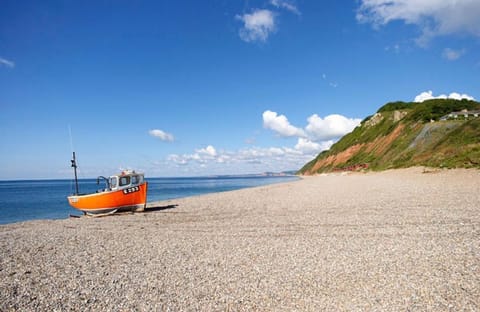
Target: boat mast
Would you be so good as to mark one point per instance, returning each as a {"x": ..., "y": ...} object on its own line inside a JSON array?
[{"x": 74, "y": 165}]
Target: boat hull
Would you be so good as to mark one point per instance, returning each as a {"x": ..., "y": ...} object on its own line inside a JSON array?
[{"x": 133, "y": 198}]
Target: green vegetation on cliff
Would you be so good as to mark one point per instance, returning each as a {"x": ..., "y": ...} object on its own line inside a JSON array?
[{"x": 404, "y": 134}]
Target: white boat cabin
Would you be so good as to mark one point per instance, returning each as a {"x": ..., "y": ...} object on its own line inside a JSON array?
[{"x": 125, "y": 179}]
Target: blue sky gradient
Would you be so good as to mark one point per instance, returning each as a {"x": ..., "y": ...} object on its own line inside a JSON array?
[{"x": 187, "y": 88}]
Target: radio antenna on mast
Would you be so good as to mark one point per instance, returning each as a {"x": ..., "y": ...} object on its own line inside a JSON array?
[
  {"x": 73, "y": 161},
  {"x": 74, "y": 165}
]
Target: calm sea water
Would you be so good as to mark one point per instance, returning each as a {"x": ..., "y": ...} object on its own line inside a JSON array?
[{"x": 47, "y": 199}]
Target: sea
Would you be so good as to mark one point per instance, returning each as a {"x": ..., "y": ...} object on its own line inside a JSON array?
[{"x": 23, "y": 200}]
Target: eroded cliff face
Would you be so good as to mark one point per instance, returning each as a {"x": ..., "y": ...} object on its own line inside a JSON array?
[
  {"x": 377, "y": 147},
  {"x": 335, "y": 160}
]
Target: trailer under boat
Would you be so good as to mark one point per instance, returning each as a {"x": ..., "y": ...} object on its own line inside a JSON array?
[{"x": 126, "y": 191}]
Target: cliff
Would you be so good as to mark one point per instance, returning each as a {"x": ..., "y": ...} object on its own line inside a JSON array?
[{"x": 434, "y": 133}]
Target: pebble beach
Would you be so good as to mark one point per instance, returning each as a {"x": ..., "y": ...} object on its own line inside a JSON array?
[{"x": 398, "y": 240}]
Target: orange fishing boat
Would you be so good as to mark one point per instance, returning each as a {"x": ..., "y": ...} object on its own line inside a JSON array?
[{"x": 124, "y": 191}]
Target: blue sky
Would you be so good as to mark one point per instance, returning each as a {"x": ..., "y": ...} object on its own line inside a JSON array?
[{"x": 187, "y": 88}]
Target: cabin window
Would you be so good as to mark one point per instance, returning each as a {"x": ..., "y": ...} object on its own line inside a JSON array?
[
  {"x": 124, "y": 181},
  {"x": 113, "y": 182},
  {"x": 135, "y": 179}
]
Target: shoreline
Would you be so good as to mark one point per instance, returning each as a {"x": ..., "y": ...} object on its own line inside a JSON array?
[
  {"x": 56, "y": 207},
  {"x": 392, "y": 240}
]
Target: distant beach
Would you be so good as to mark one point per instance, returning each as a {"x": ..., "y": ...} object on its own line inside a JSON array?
[{"x": 397, "y": 240}]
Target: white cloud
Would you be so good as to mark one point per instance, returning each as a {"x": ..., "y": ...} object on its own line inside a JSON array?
[
  {"x": 285, "y": 5},
  {"x": 318, "y": 135},
  {"x": 451, "y": 54},
  {"x": 201, "y": 156},
  {"x": 257, "y": 26},
  {"x": 181, "y": 160},
  {"x": 309, "y": 147},
  {"x": 331, "y": 127},
  {"x": 428, "y": 95},
  {"x": 6, "y": 63},
  {"x": 280, "y": 124},
  {"x": 209, "y": 150},
  {"x": 161, "y": 135},
  {"x": 458, "y": 96},
  {"x": 433, "y": 17}
]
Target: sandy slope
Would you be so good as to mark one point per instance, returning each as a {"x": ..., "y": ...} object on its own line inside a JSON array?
[{"x": 396, "y": 240}]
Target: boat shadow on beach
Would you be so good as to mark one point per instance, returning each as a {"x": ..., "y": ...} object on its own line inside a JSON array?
[
  {"x": 159, "y": 208},
  {"x": 148, "y": 209}
]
